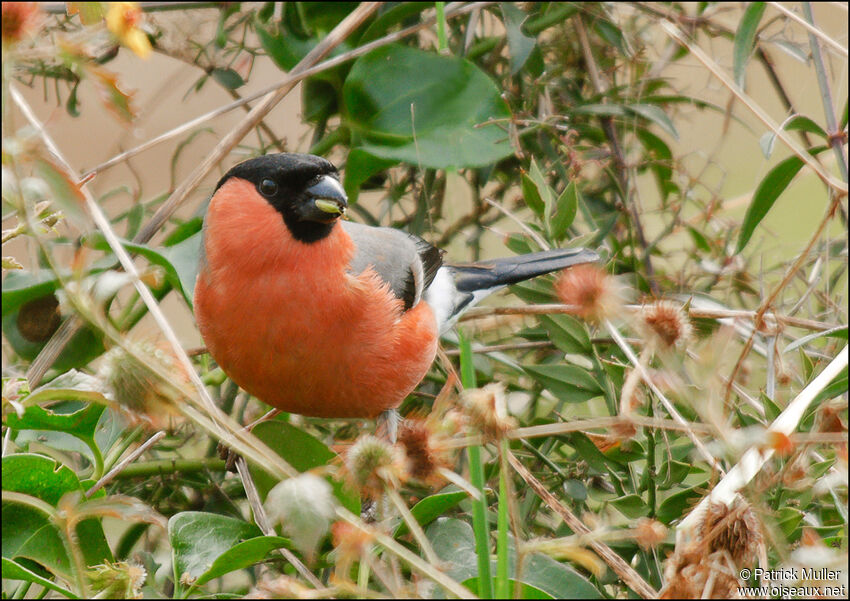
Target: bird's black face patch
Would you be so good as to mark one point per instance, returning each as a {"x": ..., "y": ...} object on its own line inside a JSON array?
[{"x": 303, "y": 188}]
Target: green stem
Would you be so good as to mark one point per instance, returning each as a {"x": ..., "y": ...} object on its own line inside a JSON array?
[
  {"x": 826, "y": 94},
  {"x": 476, "y": 476},
  {"x": 442, "y": 40},
  {"x": 503, "y": 589},
  {"x": 170, "y": 466}
]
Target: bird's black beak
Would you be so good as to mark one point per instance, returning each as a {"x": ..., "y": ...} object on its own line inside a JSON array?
[{"x": 328, "y": 196}]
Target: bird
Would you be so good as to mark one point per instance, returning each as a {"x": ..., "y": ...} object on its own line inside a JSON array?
[{"x": 326, "y": 317}]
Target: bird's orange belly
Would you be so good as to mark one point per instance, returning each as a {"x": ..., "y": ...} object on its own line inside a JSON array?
[{"x": 350, "y": 354}]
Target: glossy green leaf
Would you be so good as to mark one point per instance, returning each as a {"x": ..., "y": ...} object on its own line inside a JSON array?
[
  {"x": 303, "y": 452},
  {"x": 677, "y": 505},
  {"x": 567, "y": 382},
  {"x": 29, "y": 533},
  {"x": 359, "y": 167},
  {"x": 430, "y": 508},
  {"x": 20, "y": 287},
  {"x": 745, "y": 39},
  {"x": 15, "y": 571},
  {"x": 631, "y": 506},
  {"x": 243, "y": 555},
  {"x": 70, "y": 386},
  {"x": 198, "y": 539},
  {"x": 425, "y": 109}
]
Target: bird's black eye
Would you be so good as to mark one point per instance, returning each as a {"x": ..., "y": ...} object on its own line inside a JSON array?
[{"x": 268, "y": 187}]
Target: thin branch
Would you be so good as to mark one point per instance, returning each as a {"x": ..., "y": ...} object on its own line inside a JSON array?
[
  {"x": 629, "y": 576},
  {"x": 111, "y": 474},
  {"x": 719, "y": 73},
  {"x": 293, "y": 77},
  {"x": 810, "y": 28}
]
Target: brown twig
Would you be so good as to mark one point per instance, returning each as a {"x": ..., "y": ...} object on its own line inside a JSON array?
[
  {"x": 768, "y": 302},
  {"x": 629, "y": 576},
  {"x": 120, "y": 466}
]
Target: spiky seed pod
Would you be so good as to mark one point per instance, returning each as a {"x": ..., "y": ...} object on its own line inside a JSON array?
[
  {"x": 592, "y": 290},
  {"x": 424, "y": 455},
  {"x": 665, "y": 325},
  {"x": 119, "y": 580},
  {"x": 734, "y": 530},
  {"x": 372, "y": 463},
  {"x": 487, "y": 410},
  {"x": 140, "y": 391},
  {"x": 649, "y": 533}
]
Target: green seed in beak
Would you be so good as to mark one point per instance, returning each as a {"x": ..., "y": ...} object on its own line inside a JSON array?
[{"x": 329, "y": 206}]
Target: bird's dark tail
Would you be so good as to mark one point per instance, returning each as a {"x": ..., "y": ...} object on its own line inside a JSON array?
[{"x": 470, "y": 277}]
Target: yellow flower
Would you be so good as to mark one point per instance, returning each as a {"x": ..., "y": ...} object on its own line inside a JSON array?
[{"x": 122, "y": 20}]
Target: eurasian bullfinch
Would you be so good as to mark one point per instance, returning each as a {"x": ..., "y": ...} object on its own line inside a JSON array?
[{"x": 324, "y": 317}]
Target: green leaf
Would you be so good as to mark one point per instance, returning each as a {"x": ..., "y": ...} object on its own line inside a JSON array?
[
  {"x": 303, "y": 452},
  {"x": 567, "y": 206},
  {"x": 556, "y": 579},
  {"x": 359, "y": 167},
  {"x": 568, "y": 333},
  {"x": 454, "y": 542},
  {"x": 425, "y": 109},
  {"x": 243, "y": 555},
  {"x": 519, "y": 44},
  {"x": 527, "y": 591},
  {"x": 198, "y": 539},
  {"x": 70, "y": 386},
  {"x": 676, "y": 505},
  {"x": 631, "y": 506},
  {"x": 15, "y": 571},
  {"x": 430, "y": 508},
  {"x": 20, "y": 287},
  {"x": 282, "y": 47},
  {"x": 29, "y": 533},
  {"x": 64, "y": 193},
  {"x": 567, "y": 382},
  {"x": 655, "y": 114},
  {"x": 39, "y": 477},
  {"x": 771, "y": 186},
  {"x": 796, "y": 122},
  {"x": 180, "y": 260},
  {"x": 531, "y": 194},
  {"x": 788, "y": 519},
  {"x": 745, "y": 39},
  {"x": 228, "y": 78}
]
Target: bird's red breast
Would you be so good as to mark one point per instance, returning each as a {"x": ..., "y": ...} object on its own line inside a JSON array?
[{"x": 288, "y": 323}]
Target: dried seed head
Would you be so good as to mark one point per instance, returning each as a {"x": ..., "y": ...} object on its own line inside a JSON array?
[
  {"x": 424, "y": 453},
  {"x": 350, "y": 545},
  {"x": 665, "y": 325},
  {"x": 19, "y": 20},
  {"x": 304, "y": 506},
  {"x": 649, "y": 533},
  {"x": 372, "y": 463},
  {"x": 732, "y": 529},
  {"x": 487, "y": 410},
  {"x": 119, "y": 580},
  {"x": 282, "y": 587},
  {"x": 592, "y": 290},
  {"x": 690, "y": 573},
  {"x": 138, "y": 390}
]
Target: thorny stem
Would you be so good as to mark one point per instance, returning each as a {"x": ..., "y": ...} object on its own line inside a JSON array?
[
  {"x": 758, "y": 319},
  {"x": 616, "y": 150},
  {"x": 826, "y": 95}
]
